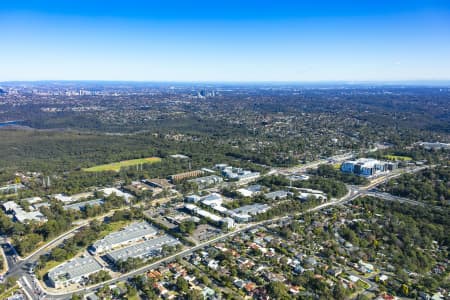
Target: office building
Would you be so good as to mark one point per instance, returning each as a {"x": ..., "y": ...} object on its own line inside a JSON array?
[
  {"x": 74, "y": 271},
  {"x": 203, "y": 182},
  {"x": 130, "y": 234},
  {"x": 110, "y": 191},
  {"x": 22, "y": 216},
  {"x": 277, "y": 195},
  {"x": 250, "y": 190},
  {"x": 186, "y": 175},
  {"x": 144, "y": 250},
  {"x": 367, "y": 167},
  {"x": 245, "y": 213},
  {"x": 82, "y": 205},
  {"x": 194, "y": 209}
]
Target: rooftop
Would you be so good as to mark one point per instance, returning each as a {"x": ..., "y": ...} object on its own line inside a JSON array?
[
  {"x": 119, "y": 193},
  {"x": 202, "y": 212},
  {"x": 75, "y": 268},
  {"x": 252, "y": 209},
  {"x": 276, "y": 194},
  {"x": 21, "y": 215},
  {"x": 144, "y": 249},
  {"x": 82, "y": 205},
  {"x": 129, "y": 233},
  {"x": 157, "y": 182}
]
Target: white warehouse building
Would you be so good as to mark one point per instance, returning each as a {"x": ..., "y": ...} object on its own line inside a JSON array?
[
  {"x": 73, "y": 271},
  {"x": 130, "y": 234},
  {"x": 144, "y": 250}
]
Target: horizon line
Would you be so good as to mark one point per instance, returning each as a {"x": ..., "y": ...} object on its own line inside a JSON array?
[{"x": 236, "y": 81}]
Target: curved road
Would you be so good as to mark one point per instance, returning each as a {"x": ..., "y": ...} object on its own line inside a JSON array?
[{"x": 19, "y": 269}]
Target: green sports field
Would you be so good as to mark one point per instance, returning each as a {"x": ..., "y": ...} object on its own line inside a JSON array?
[
  {"x": 121, "y": 164},
  {"x": 398, "y": 157}
]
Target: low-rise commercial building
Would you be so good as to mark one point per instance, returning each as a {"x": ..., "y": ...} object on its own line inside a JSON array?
[
  {"x": 203, "y": 182},
  {"x": 179, "y": 156},
  {"x": 212, "y": 199},
  {"x": 296, "y": 177},
  {"x": 10, "y": 188},
  {"x": 77, "y": 197},
  {"x": 38, "y": 206},
  {"x": 193, "y": 198},
  {"x": 110, "y": 191},
  {"x": 137, "y": 188},
  {"x": 250, "y": 190},
  {"x": 22, "y": 216},
  {"x": 194, "y": 209},
  {"x": 158, "y": 183},
  {"x": 63, "y": 198},
  {"x": 277, "y": 195},
  {"x": 305, "y": 196},
  {"x": 252, "y": 209},
  {"x": 435, "y": 146},
  {"x": 10, "y": 206},
  {"x": 237, "y": 173},
  {"x": 73, "y": 271},
  {"x": 248, "y": 176},
  {"x": 33, "y": 200},
  {"x": 144, "y": 250},
  {"x": 219, "y": 209},
  {"x": 186, "y": 175},
  {"x": 242, "y": 218},
  {"x": 305, "y": 193},
  {"x": 82, "y": 205},
  {"x": 229, "y": 222},
  {"x": 28, "y": 216},
  {"x": 209, "y": 200},
  {"x": 245, "y": 213},
  {"x": 130, "y": 234}
]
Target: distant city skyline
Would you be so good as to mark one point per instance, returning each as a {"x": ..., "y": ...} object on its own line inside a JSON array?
[{"x": 219, "y": 41}]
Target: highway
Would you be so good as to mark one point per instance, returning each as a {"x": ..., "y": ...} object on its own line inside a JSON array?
[
  {"x": 32, "y": 287},
  {"x": 389, "y": 197}
]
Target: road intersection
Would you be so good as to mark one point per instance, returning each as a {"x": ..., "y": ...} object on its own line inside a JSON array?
[{"x": 33, "y": 289}]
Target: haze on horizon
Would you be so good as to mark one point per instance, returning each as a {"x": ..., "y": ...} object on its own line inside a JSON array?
[{"x": 225, "y": 40}]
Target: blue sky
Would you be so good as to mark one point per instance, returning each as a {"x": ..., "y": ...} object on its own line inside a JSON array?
[{"x": 225, "y": 40}]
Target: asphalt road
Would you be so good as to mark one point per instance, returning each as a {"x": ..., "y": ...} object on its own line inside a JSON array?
[
  {"x": 19, "y": 268},
  {"x": 351, "y": 195}
]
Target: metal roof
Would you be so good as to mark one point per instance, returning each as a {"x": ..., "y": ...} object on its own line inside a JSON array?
[
  {"x": 130, "y": 233},
  {"x": 144, "y": 249},
  {"x": 252, "y": 209},
  {"x": 276, "y": 194},
  {"x": 78, "y": 267},
  {"x": 82, "y": 205}
]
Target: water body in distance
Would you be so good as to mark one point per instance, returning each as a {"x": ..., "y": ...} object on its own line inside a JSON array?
[{"x": 9, "y": 123}]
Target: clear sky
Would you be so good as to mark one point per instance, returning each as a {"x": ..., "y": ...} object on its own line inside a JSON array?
[{"x": 229, "y": 40}]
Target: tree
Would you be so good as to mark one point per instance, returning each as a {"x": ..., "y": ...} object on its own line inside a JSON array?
[
  {"x": 27, "y": 243},
  {"x": 194, "y": 295},
  {"x": 76, "y": 297},
  {"x": 278, "y": 290},
  {"x": 187, "y": 227},
  {"x": 131, "y": 291},
  {"x": 58, "y": 254},
  {"x": 182, "y": 284},
  {"x": 339, "y": 292}
]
